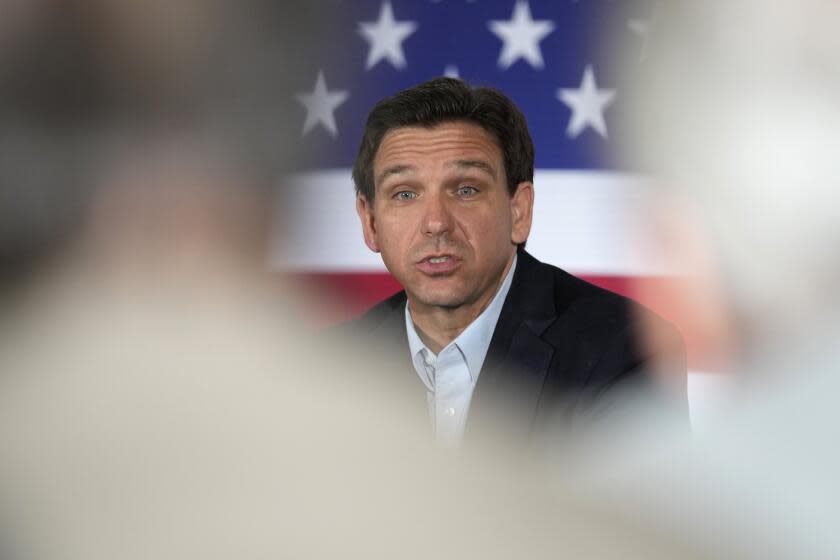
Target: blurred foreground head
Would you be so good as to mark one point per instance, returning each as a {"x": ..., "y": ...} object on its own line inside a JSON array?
[
  {"x": 737, "y": 117},
  {"x": 160, "y": 122}
]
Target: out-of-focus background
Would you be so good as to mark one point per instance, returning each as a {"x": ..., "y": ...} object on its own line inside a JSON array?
[{"x": 569, "y": 65}]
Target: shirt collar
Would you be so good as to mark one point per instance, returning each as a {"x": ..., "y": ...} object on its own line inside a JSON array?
[{"x": 473, "y": 342}]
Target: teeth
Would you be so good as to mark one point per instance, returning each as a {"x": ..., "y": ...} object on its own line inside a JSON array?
[{"x": 437, "y": 260}]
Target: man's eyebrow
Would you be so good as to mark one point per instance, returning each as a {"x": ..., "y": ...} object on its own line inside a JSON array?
[
  {"x": 475, "y": 164},
  {"x": 393, "y": 170}
]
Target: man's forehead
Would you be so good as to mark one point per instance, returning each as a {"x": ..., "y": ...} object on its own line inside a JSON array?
[{"x": 453, "y": 141}]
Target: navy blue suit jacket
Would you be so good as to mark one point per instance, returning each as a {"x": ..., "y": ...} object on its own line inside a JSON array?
[{"x": 565, "y": 354}]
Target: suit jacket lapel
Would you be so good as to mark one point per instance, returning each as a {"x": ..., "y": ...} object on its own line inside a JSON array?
[{"x": 509, "y": 386}]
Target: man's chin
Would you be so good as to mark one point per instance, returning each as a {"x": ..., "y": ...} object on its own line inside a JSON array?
[{"x": 446, "y": 300}]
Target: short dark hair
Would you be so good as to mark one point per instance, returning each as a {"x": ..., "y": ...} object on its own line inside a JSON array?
[{"x": 446, "y": 100}]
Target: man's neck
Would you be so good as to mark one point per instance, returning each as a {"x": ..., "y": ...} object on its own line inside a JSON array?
[{"x": 438, "y": 326}]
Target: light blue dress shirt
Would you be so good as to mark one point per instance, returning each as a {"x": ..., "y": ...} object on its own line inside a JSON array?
[{"x": 451, "y": 375}]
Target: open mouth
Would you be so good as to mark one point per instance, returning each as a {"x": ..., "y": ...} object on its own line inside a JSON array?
[{"x": 440, "y": 264}]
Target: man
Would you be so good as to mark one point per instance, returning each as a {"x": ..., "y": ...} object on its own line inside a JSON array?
[{"x": 444, "y": 192}]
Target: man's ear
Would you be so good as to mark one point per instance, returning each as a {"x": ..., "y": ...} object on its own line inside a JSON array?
[
  {"x": 364, "y": 208},
  {"x": 521, "y": 212}
]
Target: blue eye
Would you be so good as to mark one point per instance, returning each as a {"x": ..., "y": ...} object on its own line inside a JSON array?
[
  {"x": 467, "y": 191},
  {"x": 405, "y": 195}
]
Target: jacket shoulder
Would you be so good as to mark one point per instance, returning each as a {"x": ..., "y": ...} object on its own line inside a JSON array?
[
  {"x": 571, "y": 294},
  {"x": 372, "y": 319},
  {"x": 583, "y": 307},
  {"x": 610, "y": 350}
]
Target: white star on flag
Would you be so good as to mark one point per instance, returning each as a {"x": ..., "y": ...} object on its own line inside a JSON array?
[
  {"x": 385, "y": 37},
  {"x": 522, "y": 36},
  {"x": 320, "y": 105},
  {"x": 587, "y": 104}
]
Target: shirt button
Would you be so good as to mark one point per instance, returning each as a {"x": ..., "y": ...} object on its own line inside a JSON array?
[{"x": 450, "y": 411}]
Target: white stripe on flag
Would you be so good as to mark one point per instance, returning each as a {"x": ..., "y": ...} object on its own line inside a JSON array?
[{"x": 587, "y": 222}]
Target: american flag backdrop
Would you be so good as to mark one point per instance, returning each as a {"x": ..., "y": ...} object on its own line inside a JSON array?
[{"x": 559, "y": 60}]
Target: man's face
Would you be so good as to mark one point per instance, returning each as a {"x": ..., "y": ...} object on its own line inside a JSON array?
[{"x": 442, "y": 216}]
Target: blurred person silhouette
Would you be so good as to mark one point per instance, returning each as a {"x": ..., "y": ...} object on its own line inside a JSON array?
[
  {"x": 736, "y": 116},
  {"x": 156, "y": 399}
]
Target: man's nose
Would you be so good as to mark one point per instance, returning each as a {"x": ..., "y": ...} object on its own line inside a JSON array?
[{"x": 438, "y": 216}]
